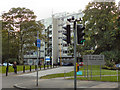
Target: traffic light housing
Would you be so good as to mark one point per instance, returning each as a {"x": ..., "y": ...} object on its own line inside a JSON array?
[
  {"x": 80, "y": 34},
  {"x": 36, "y": 42},
  {"x": 67, "y": 34}
]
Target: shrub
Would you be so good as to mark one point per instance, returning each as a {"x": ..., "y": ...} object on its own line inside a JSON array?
[
  {"x": 109, "y": 63},
  {"x": 110, "y": 68}
]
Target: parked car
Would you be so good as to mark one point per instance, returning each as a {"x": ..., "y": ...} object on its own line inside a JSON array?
[
  {"x": 5, "y": 64},
  {"x": 68, "y": 64},
  {"x": 0, "y": 64},
  {"x": 10, "y": 64},
  {"x": 118, "y": 65}
]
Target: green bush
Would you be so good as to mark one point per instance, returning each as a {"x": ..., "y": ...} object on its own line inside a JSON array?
[
  {"x": 110, "y": 68},
  {"x": 109, "y": 63}
]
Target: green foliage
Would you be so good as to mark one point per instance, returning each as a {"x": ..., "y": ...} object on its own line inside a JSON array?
[
  {"x": 9, "y": 48},
  {"x": 22, "y": 21},
  {"x": 110, "y": 66},
  {"x": 15, "y": 16},
  {"x": 111, "y": 56},
  {"x": 11, "y": 60},
  {"x": 100, "y": 24},
  {"x": 101, "y": 30}
]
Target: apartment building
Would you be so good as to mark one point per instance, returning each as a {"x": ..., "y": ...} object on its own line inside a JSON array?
[{"x": 48, "y": 39}]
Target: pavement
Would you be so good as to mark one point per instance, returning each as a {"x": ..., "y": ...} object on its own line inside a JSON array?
[{"x": 63, "y": 84}]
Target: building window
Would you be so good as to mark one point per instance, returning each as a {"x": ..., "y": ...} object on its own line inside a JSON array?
[
  {"x": 64, "y": 51},
  {"x": 65, "y": 45},
  {"x": 60, "y": 44},
  {"x": 64, "y": 31},
  {"x": 59, "y": 31},
  {"x": 59, "y": 37}
]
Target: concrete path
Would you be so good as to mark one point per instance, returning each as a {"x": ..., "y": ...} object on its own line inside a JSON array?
[{"x": 61, "y": 83}]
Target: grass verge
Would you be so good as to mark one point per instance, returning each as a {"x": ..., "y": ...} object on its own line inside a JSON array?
[
  {"x": 103, "y": 78},
  {"x": 19, "y": 68},
  {"x": 111, "y": 75}
]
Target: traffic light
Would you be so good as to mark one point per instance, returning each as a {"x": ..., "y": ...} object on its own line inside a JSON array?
[
  {"x": 67, "y": 34},
  {"x": 36, "y": 42},
  {"x": 80, "y": 34}
]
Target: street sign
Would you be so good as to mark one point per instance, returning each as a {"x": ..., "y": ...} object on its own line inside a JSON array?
[
  {"x": 47, "y": 58},
  {"x": 93, "y": 59},
  {"x": 38, "y": 42},
  {"x": 79, "y": 73}
]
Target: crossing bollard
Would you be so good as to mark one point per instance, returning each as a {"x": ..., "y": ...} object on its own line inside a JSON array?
[
  {"x": 44, "y": 66},
  {"x": 35, "y": 67},
  {"x": 30, "y": 68},
  {"x": 23, "y": 68}
]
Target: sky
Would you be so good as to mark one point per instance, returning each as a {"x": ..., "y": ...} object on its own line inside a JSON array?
[{"x": 45, "y": 8}]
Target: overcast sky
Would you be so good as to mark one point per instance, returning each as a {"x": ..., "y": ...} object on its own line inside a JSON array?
[{"x": 45, "y": 8}]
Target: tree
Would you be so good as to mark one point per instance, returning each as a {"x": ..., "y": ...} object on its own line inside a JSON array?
[
  {"x": 100, "y": 19},
  {"x": 28, "y": 36},
  {"x": 9, "y": 48},
  {"x": 15, "y": 16},
  {"x": 22, "y": 21},
  {"x": 4, "y": 45}
]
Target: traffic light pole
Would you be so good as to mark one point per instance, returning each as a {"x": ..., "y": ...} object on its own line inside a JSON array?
[{"x": 75, "y": 85}]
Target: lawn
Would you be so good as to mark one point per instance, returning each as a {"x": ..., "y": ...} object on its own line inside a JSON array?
[
  {"x": 103, "y": 78},
  {"x": 112, "y": 74},
  {"x": 19, "y": 68}
]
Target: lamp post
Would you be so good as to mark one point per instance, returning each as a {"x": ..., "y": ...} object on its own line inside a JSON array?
[{"x": 8, "y": 53}]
